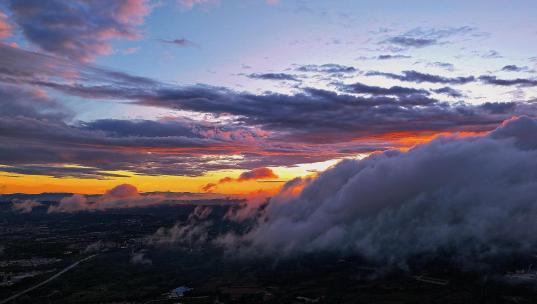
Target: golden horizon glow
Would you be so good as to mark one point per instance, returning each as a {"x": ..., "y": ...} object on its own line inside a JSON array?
[{"x": 34, "y": 184}]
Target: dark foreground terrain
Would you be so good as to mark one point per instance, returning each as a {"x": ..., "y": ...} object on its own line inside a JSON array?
[{"x": 105, "y": 258}]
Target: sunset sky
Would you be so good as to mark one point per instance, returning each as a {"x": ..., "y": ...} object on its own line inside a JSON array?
[{"x": 237, "y": 96}]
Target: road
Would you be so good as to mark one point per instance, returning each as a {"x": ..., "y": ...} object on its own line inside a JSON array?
[{"x": 66, "y": 269}]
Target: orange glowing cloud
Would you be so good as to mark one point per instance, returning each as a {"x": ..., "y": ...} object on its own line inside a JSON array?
[
  {"x": 405, "y": 140},
  {"x": 255, "y": 174},
  {"x": 5, "y": 28}
]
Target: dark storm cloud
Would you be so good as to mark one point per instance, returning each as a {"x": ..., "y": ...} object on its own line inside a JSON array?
[
  {"x": 523, "y": 82},
  {"x": 360, "y": 88},
  {"x": 268, "y": 129},
  {"x": 96, "y": 152},
  {"x": 147, "y": 128},
  {"x": 35, "y": 139},
  {"x": 311, "y": 126},
  {"x": 449, "y": 91},
  {"x": 299, "y": 116},
  {"x": 49, "y": 145},
  {"x": 444, "y": 197},
  {"x": 309, "y": 111},
  {"x": 315, "y": 115},
  {"x": 273, "y": 76},
  {"x": 499, "y": 107},
  {"x": 44, "y": 130},
  {"x": 78, "y": 29},
  {"x": 418, "y": 77}
]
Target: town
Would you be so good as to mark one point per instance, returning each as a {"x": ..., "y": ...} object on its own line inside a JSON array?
[{"x": 108, "y": 257}]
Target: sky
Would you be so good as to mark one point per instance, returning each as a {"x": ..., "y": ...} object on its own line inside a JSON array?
[{"x": 239, "y": 96}]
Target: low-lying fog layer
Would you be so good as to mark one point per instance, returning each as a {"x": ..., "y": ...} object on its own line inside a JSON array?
[{"x": 473, "y": 196}]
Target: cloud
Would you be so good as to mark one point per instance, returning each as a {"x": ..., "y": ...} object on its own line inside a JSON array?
[
  {"x": 5, "y": 27},
  {"x": 24, "y": 206},
  {"x": 59, "y": 171},
  {"x": 139, "y": 258},
  {"x": 180, "y": 42},
  {"x": 124, "y": 191},
  {"x": 127, "y": 196},
  {"x": 360, "y": 88},
  {"x": 30, "y": 103},
  {"x": 192, "y": 233},
  {"x": 94, "y": 247},
  {"x": 209, "y": 187},
  {"x": 21, "y": 66},
  {"x": 500, "y": 107},
  {"x": 131, "y": 50},
  {"x": 191, "y": 3},
  {"x": 493, "y": 80},
  {"x": 330, "y": 68},
  {"x": 121, "y": 196},
  {"x": 444, "y": 196},
  {"x": 254, "y": 174},
  {"x": 418, "y": 77},
  {"x": 411, "y": 42},
  {"x": 273, "y": 76},
  {"x": 439, "y": 33},
  {"x": 78, "y": 29},
  {"x": 443, "y": 65},
  {"x": 390, "y": 56},
  {"x": 74, "y": 203},
  {"x": 265, "y": 130},
  {"x": 492, "y": 54},
  {"x": 311, "y": 126},
  {"x": 315, "y": 115},
  {"x": 423, "y": 37},
  {"x": 514, "y": 68},
  {"x": 449, "y": 91},
  {"x": 42, "y": 143}
]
